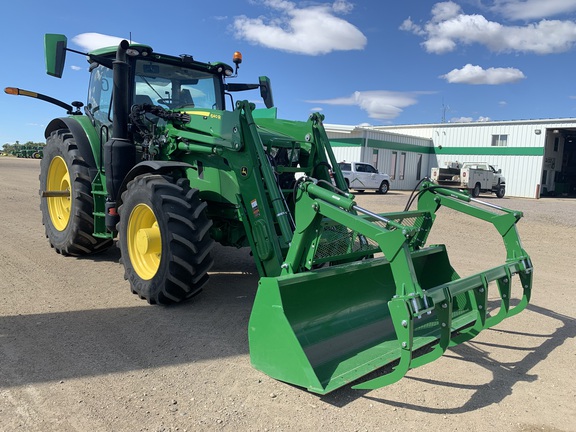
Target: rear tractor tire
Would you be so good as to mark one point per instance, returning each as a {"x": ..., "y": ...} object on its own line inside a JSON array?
[
  {"x": 164, "y": 239},
  {"x": 68, "y": 220}
]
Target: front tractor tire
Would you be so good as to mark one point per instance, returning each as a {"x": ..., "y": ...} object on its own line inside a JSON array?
[
  {"x": 68, "y": 219},
  {"x": 164, "y": 239}
]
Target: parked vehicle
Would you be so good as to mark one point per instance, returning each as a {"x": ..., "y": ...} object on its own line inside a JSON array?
[
  {"x": 476, "y": 177},
  {"x": 361, "y": 176}
]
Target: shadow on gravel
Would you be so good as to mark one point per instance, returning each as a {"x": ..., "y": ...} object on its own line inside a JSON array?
[
  {"x": 60, "y": 346},
  {"x": 112, "y": 254},
  {"x": 226, "y": 259},
  {"x": 504, "y": 375}
]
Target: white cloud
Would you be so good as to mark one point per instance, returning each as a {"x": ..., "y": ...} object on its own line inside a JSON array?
[
  {"x": 342, "y": 6},
  {"x": 408, "y": 25},
  {"x": 316, "y": 109},
  {"x": 471, "y": 74},
  {"x": 461, "y": 120},
  {"x": 92, "y": 41},
  {"x": 75, "y": 68},
  {"x": 533, "y": 9},
  {"x": 469, "y": 119},
  {"x": 449, "y": 27},
  {"x": 444, "y": 11},
  {"x": 311, "y": 30},
  {"x": 379, "y": 104}
]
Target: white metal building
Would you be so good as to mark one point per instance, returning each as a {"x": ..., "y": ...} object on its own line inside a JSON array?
[
  {"x": 407, "y": 159},
  {"x": 537, "y": 157}
]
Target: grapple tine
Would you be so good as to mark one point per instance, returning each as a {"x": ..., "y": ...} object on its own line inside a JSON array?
[
  {"x": 444, "y": 314},
  {"x": 479, "y": 300},
  {"x": 505, "y": 290}
]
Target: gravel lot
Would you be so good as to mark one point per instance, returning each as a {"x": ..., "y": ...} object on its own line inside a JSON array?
[{"x": 79, "y": 352}]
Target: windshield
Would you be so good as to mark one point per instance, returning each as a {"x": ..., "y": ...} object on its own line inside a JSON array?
[{"x": 175, "y": 86}]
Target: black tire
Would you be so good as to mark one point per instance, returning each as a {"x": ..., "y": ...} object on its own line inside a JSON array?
[
  {"x": 500, "y": 192},
  {"x": 384, "y": 187},
  {"x": 68, "y": 221},
  {"x": 476, "y": 191},
  {"x": 172, "y": 263}
]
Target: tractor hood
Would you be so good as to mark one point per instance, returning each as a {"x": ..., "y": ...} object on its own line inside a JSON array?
[{"x": 222, "y": 128}]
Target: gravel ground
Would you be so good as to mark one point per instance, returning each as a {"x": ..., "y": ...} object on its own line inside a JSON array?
[{"x": 79, "y": 352}]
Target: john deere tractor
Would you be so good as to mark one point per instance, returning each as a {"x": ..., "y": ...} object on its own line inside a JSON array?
[{"x": 165, "y": 159}]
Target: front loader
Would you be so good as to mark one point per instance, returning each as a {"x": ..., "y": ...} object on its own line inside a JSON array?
[{"x": 163, "y": 158}]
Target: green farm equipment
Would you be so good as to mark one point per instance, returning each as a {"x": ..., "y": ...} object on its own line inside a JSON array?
[
  {"x": 29, "y": 153},
  {"x": 157, "y": 160}
]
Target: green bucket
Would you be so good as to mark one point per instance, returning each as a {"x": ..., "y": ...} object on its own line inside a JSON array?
[{"x": 326, "y": 328}]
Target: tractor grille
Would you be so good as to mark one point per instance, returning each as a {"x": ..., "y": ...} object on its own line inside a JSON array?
[{"x": 339, "y": 242}]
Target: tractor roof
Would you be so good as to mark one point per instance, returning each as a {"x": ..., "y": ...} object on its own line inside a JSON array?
[{"x": 146, "y": 51}]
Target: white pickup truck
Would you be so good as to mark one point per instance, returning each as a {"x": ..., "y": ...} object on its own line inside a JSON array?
[
  {"x": 361, "y": 176},
  {"x": 476, "y": 177}
]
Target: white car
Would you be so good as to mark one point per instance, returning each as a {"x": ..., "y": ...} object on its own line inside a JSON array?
[{"x": 361, "y": 176}]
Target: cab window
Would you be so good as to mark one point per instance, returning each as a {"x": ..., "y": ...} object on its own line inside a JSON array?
[
  {"x": 175, "y": 87},
  {"x": 370, "y": 169}
]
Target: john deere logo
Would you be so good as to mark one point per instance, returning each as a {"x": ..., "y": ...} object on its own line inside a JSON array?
[{"x": 244, "y": 171}]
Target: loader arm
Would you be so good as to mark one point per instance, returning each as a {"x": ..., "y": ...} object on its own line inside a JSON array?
[
  {"x": 267, "y": 215},
  {"x": 325, "y": 327}
]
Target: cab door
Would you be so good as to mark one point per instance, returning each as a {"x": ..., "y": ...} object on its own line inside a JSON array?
[
  {"x": 367, "y": 176},
  {"x": 100, "y": 99}
]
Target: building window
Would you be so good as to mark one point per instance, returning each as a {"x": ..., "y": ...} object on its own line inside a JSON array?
[
  {"x": 419, "y": 168},
  {"x": 375, "y": 158},
  {"x": 393, "y": 165},
  {"x": 402, "y": 167},
  {"x": 499, "y": 140}
]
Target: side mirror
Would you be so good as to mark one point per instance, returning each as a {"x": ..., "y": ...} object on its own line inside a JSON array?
[
  {"x": 55, "y": 52},
  {"x": 266, "y": 91}
]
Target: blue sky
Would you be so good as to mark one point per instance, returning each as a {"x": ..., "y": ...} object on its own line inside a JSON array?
[{"x": 375, "y": 62}]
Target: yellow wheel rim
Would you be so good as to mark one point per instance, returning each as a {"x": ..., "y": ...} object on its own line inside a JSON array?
[
  {"x": 58, "y": 179},
  {"x": 144, "y": 241}
]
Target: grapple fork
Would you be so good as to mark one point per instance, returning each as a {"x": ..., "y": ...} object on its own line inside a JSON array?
[{"x": 361, "y": 290}]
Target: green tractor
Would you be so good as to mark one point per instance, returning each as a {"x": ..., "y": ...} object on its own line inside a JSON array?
[{"x": 163, "y": 158}]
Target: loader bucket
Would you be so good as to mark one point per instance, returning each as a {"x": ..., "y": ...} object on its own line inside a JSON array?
[{"x": 324, "y": 328}]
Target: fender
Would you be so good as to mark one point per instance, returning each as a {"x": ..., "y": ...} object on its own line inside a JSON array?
[
  {"x": 81, "y": 133},
  {"x": 151, "y": 167}
]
